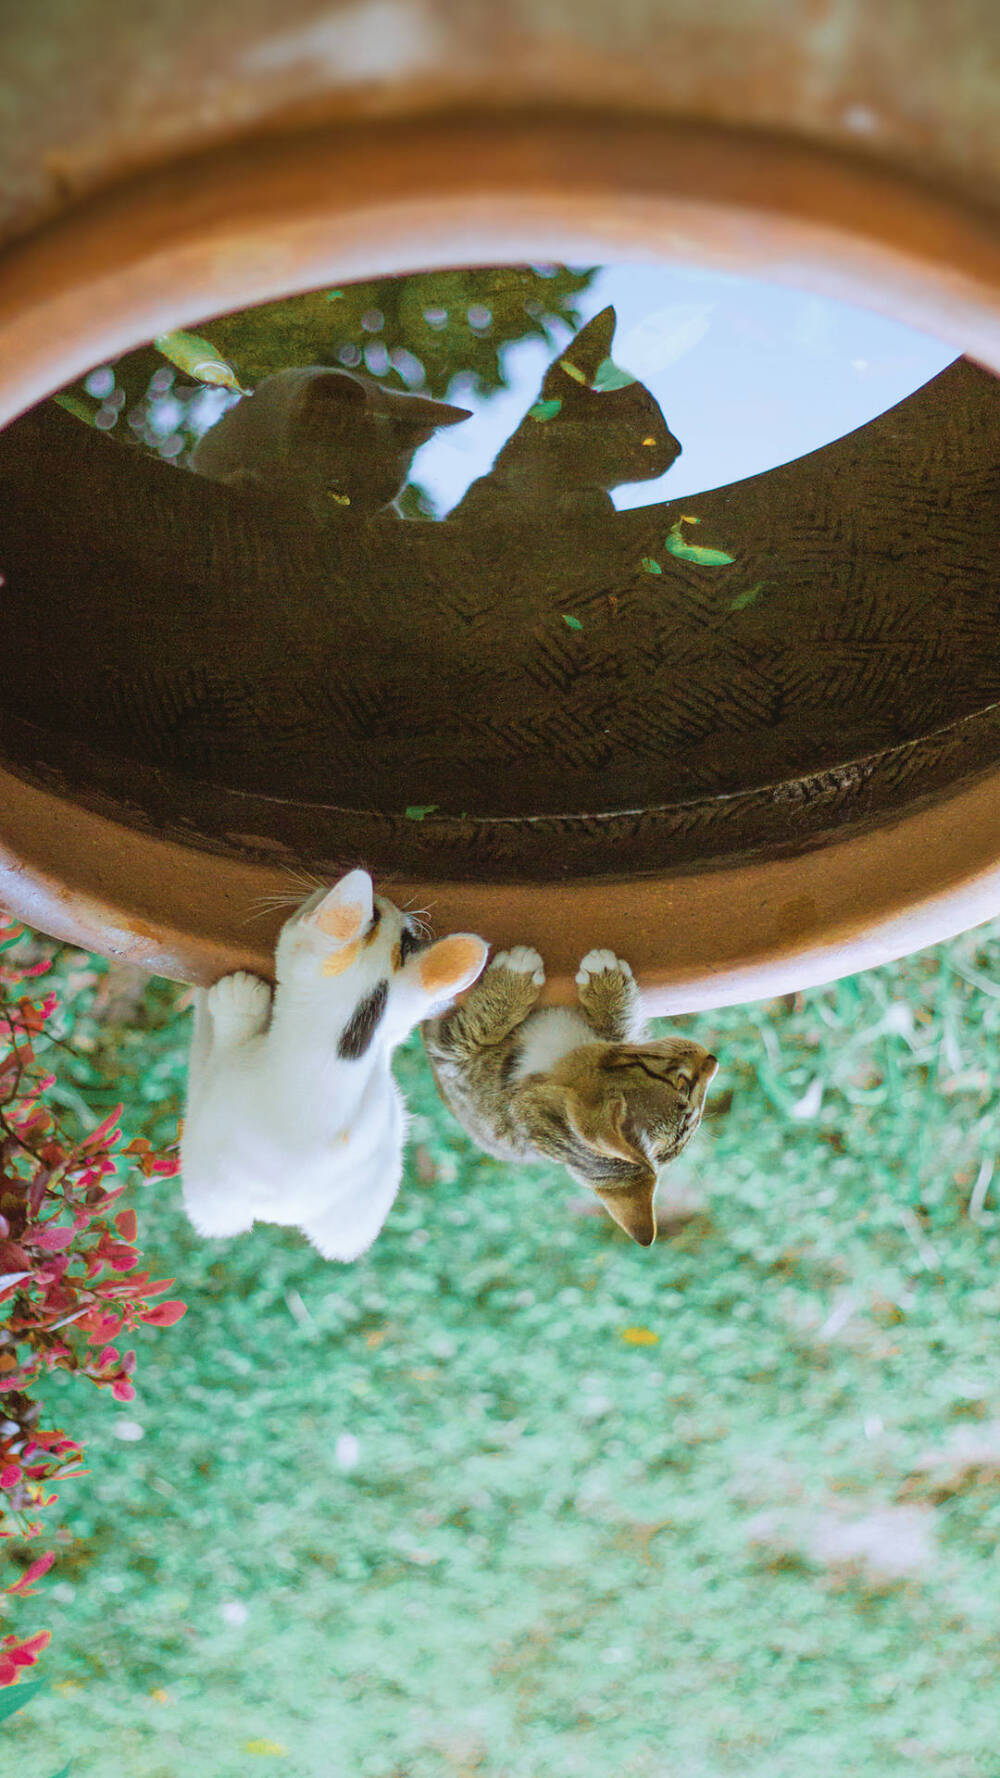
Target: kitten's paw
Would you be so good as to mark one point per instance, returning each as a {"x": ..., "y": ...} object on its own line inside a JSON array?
[
  {"x": 607, "y": 992},
  {"x": 601, "y": 963},
  {"x": 240, "y": 1006},
  {"x": 522, "y": 960}
]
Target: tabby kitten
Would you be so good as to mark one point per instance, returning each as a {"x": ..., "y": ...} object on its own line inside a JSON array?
[
  {"x": 293, "y": 1115},
  {"x": 583, "y": 1086},
  {"x": 331, "y": 441},
  {"x": 592, "y": 427}
]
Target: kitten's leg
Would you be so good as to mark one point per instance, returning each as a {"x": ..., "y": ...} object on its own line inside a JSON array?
[
  {"x": 240, "y": 1006},
  {"x": 609, "y": 997},
  {"x": 502, "y": 998}
]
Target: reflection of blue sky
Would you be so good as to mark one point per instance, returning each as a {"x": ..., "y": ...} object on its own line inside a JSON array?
[{"x": 748, "y": 375}]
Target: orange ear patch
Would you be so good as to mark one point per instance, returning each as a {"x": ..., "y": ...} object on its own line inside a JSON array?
[
  {"x": 452, "y": 960},
  {"x": 338, "y": 961},
  {"x": 341, "y": 922}
]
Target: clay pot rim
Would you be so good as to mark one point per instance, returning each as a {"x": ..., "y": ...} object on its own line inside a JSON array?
[{"x": 171, "y": 247}]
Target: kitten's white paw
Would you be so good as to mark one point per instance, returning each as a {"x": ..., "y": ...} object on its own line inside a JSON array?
[
  {"x": 523, "y": 960},
  {"x": 239, "y": 1002},
  {"x": 600, "y": 963}
]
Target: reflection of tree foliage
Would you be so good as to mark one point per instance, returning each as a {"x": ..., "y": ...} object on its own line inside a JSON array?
[{"x": 416, "y": 332}]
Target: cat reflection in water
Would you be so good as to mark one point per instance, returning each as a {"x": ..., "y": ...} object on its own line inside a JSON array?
[
  {"x": 331, "y": 442},
  {"x": 293, "y": 1116},
  {"x": 583, "y": 1085},
  {"x": 334, "y": 443},
  {"x": 592, "y": 428}
]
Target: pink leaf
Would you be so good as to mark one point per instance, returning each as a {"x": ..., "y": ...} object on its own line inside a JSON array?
[
  {"x": 127, "y": 1224},
  {"x": 104, "y": 1129},
  {"x": 32, "y": 1574},
  {"x": 122, "y": 1389},
  {"x": 53, "y": 1240},
  {"x": 164, "y": 1314},
  {"x": 26, "y": 1653},
  {"x": 119, "y": 1257}
]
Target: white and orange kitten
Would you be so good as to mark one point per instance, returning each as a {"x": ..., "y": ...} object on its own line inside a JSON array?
[{"x": 293, "y": 1116}]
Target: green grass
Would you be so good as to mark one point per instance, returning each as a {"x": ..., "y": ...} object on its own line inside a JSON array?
[{"x": 560, "y": 1554}]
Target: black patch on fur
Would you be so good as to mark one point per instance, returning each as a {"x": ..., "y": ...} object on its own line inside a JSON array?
[
  {"x": 409, "y": 942},
  {"x": 364, "y": 1022}
]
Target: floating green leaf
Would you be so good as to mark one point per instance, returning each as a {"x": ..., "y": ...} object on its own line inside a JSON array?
[
  {"x": 572, "y": 370},
  {"x": 694, "y": 552},
  {"x": 750, "y": 597},
  {"x": 572, "y": 623},
  {"x": 650, "y": 566},
  {"x": 417, "y": 811},
  {"x": 199, "y": 359},
  {"x": 545, "y": 410},
  {"x": 611, "y": 376},
  {"x": 76, "y": 407}
]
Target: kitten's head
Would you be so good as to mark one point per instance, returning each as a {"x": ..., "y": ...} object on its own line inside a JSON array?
[
  {"x": 626, "y": 1110},
  {"x": 353, "y": 956},
  {"x": 594, "y": 425},
  {"x": 361, "y": 437}
]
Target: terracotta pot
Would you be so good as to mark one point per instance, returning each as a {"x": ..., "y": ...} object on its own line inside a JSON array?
[{"x": 307, "y": 144}]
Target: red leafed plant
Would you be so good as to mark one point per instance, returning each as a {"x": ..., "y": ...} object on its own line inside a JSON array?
[{"x": 68, "y": 1279}]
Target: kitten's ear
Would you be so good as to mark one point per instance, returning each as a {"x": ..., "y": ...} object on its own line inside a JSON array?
[
  {"x": 632, "y": 1208},
  {"x": 584, "y": 356},
  {"x": 601, "y": 1127},
  {"x": 452, "y": 964},
  {"x": 347, "y": 910},
  {"x": 427, "y": 415}
]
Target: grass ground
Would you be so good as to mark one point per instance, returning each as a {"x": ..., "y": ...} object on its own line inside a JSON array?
[{"x": 512, "y": 1498}]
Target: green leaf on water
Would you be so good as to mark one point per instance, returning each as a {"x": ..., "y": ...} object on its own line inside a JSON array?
[
  {"x": 417, "y": 811},
  {"x": 572, "y": 623},
  {"x": 545, "y": 410},
  {"x": 76, "y": 407},
  {"x": 18, "y": 1695},
  {"x": 750, "y": 597},
  {"x": 611, "y": 376},
  {"x": 694, "y": 552},
  {"x": 199, "y": 359},
  {"x": 650, "y": 566}
]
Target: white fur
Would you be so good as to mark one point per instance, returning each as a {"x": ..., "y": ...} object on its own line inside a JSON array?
[
  {"x": 553, "y": 1031},
  {"x": 549, "y": 1035},
  {"x": 281, "y": 1129}
]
